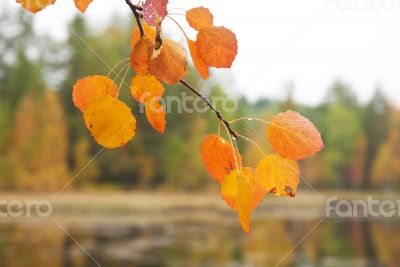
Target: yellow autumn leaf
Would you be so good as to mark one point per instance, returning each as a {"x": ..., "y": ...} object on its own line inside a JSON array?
[
  {"x": 110, "y": 121},
  {"x": 242, "y": 191},
  {"x": 278, "y": 175}
]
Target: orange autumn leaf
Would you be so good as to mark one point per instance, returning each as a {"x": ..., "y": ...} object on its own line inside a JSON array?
[
  {"x": 199, "y": 18},
  {"x": 278, "y": 175},
  {"x": 148, "y": 31},
  {"x": 91, "y": 87},
  {"x": 144, "y": 88},
  {"x": 293, "y": 136},
  {"x": 82, "y": 4},
  {"x": 201, "y": 67},
  {"x": 156, "y": 115},
  {"x": 217, "y": 46},
  {"x": 148, "y": 90},
  {"x": 110, "y": 121},
  {"x": 243, "y": 192},
  {"x": 35, "y": 5},
  {"x": 218, "y": 156},
  {"x": 168, "y": 64},
  {"x": 141, "y": 54}
]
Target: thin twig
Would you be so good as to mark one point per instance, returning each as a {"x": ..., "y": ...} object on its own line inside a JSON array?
[
  {"x": 214, "y": 109},
  {"x": 135, "y": 10}
]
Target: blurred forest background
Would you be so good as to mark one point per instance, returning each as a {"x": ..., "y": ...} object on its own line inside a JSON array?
[{"x": 44, "y": 143}]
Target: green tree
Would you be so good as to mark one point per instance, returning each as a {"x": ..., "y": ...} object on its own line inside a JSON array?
[
  {"x": 341, "y": 131},
  {"x": 376, "y": 122}
]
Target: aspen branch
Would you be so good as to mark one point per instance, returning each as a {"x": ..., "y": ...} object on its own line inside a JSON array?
[
  {"x": 135, "y": 10},
  {"x": 213, "y": 108}
]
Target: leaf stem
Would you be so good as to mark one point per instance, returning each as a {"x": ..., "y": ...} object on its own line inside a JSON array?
[
  {"x": 126, "y": 68},
  {"x": 249, "y": 119},
  {"x": 180, "y": 27},
  {"x": 238, "y": 168},
  {"x": 116, "y": 65},
  {"x": 254, "y": 143},
  {"x": 214, "y": 109},
  {"x": 177, "y": 8}
]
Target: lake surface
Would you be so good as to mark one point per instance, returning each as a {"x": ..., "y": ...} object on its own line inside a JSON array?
[{"x": 207, "y": 236}]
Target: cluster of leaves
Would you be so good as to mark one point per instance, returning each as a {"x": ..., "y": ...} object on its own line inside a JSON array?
[
  {"x": 291, "y": 136},
  {"x": 155, "y": 61}
]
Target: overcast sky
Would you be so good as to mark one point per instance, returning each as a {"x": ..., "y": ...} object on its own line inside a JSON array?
[{"x": 310, "y": 42}]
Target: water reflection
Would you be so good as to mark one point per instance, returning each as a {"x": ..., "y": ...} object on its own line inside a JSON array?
[{"x": 201, "y": 243}]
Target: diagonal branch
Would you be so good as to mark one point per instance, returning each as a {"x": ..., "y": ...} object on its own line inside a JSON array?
[{"x": 214, "y": 109}]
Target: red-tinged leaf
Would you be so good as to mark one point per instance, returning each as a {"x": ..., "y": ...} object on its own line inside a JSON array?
[
  {"x": 35, "y": 5},
  {"x": 218, "y": 156},
  {"x": 154, "y": 10},
  {"x": 217, "y": 47},
  {"x": 201, "y": 67},
  {"x": 293, "y": 136},
  {"x": 82, "y": 5},
  {"x": 278, "y": 175},
  {"x": 91, "y": 87},
  {"x": 199, "y": 18}
]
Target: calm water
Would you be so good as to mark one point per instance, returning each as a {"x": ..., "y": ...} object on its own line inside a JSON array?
[{"x": 196, "y": 241}]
